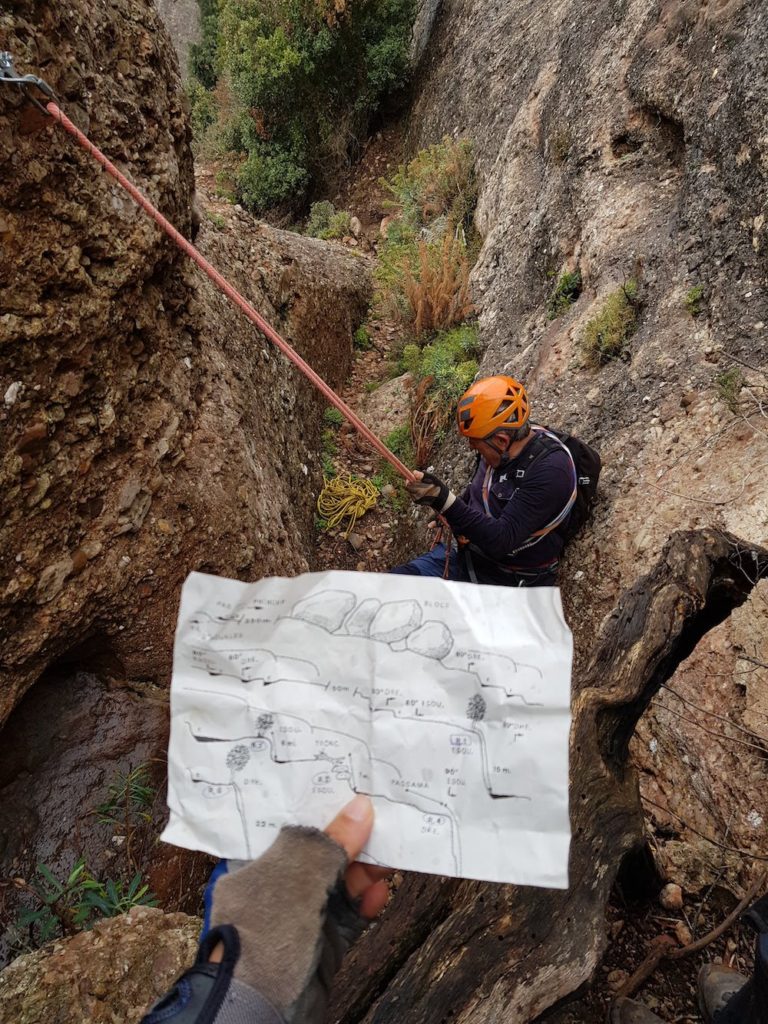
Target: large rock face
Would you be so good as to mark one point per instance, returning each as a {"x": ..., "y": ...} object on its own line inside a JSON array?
[
  {"x": 147, "y": 428},
  {"x": 628, "y": 138}
]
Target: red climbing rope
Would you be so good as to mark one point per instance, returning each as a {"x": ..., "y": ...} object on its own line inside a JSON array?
[{"x": 232, "y": 293}]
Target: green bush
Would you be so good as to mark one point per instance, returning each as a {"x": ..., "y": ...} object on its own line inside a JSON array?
[
  {"x": 729, "y": 384},
  {"x": 606, "y": 335},
  {"x": 203, "y": 55},
  {"x": 448, "y": 362},
  {"x": 362, "y": 339},
  {"x": 332, "y": 417},
  {"x": 694, "y": 300},
  {"x": 439, "y": 182},
  {"x": 326, "y": 222},
  {"x": 435, "y": 197},
  {"x": 203, "y": 109},
  {"x": 269, "y": 177},
  {"x": 398, "y": 256},
  {"x": 304, "y": 78},
  {"x": 565, "y": 293}
]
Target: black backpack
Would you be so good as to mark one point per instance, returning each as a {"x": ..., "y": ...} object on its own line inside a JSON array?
[{"x": 588, "y": 466}]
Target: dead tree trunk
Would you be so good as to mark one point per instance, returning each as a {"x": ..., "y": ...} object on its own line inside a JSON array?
[{"x": 475, "y": 952}]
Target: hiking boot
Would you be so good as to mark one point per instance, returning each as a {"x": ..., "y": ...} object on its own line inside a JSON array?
[
  {"x": 717, "y": 985},
  {"x": 627, "y": 1011}
]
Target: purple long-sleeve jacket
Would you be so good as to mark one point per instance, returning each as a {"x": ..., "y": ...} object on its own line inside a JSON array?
[{"x": 516, "y": 509}]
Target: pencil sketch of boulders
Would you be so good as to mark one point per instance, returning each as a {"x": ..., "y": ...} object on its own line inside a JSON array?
[
  {"x": 327, "y": 609},
  {"x": 261, "y": 666},
  {"x": 433, "y": 640},
  {"x": 359, "y": 622},
  {"x": 395, "y": 621}
]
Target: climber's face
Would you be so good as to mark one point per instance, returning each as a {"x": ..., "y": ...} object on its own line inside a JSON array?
[{"x": 492, "y": 448}]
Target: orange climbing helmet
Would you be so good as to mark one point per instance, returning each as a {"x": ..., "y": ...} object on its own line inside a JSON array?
[{"x": 491, "y": 404}]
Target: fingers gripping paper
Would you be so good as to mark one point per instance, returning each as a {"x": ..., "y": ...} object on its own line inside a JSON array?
[{"x": 447, "y": 703}]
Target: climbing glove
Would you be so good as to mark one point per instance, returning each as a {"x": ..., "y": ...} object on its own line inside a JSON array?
[
  {"x": 285, "y": 922},
  {"x": 431, "y": 491}
]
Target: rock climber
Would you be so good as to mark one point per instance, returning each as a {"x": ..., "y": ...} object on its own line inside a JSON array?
[
  {"x": 281, "y": 925},
  {"x": 511, "y": 517}
]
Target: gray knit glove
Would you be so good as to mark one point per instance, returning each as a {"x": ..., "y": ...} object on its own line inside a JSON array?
[
  {"x": 294, "y": 920},
  {"x": 284, "y": 921}
]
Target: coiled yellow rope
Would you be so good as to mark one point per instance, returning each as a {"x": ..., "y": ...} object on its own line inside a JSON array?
[{"x": 345, "y": 497}]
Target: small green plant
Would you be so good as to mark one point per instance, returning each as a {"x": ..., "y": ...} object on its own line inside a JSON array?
[
  {"x": 362, "y": 339},
  {"x": 328, "y": 441},
  {"x": 729, "y": 384},
  {"x": 606, "y": 335},
  {"x": 399, "y": 442},
  {"x": 372, "y": 385},
  {"x": 111, "y": 898},
  {"x": 326, "y": 222},
  {"x": 130, "y": 796},
  {"x": 387, "y": 475},
  {"x": 63, "y": 908},
  {"x": 216, "y": 219},
  {"x": 321, "y": 524},
  {"x": 332, "y": 417},
  {"x": 565, "y": 293},
  {"x": 329, "y": 449},
  {"x": 694, "y": 300}
]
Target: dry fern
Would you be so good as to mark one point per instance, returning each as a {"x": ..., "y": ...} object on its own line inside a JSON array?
[{"x": 439, "y": 296}]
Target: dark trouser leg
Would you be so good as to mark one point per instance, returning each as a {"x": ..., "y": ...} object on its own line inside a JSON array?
[{"x": 432, "y": 564}]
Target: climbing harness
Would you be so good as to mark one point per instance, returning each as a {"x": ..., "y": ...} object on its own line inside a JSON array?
[
  {"x": 345, "y": 497},
  {"x": 561, "y": 516},
  {"x": 27, "y": 83}
]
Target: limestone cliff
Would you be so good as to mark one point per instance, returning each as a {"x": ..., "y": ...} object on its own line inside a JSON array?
[
  {"x": 625, "y": 139},
  {"x": 628, "y": 139}
]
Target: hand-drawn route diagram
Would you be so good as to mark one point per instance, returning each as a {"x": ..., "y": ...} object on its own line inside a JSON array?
[{"x": 447, "y": 703}]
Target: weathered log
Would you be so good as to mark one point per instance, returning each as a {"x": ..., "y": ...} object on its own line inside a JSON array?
[{"x": 475, "y": 952}]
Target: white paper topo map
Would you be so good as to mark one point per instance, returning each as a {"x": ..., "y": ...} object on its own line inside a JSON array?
[{"x": 447, "y": 703}]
